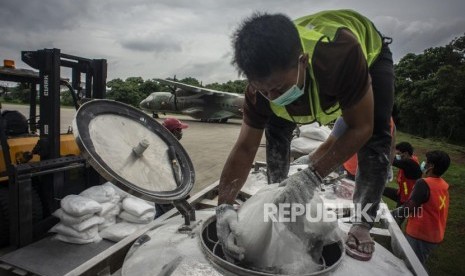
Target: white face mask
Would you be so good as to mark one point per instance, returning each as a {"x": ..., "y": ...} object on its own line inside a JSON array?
[
  {"x": 398, "y": 157},
  {"x": 292, "y": 93},
  {"x": 423, "y": 167}
]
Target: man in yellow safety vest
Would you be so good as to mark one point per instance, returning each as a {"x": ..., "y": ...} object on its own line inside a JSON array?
[{"x": 312, "y": 69}]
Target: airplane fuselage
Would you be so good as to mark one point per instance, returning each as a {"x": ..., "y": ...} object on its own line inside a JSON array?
[{"x": 198, "y": 106}]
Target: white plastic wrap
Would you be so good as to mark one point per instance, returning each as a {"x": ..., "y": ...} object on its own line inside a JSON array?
[
  {"x": 270, "y": 244},
  {"x": 118, "y": 191},
  {"x": 136, "y": 206},
  {"x": 100, "y": 193},
  {"x": 145, "y": 218},
  {"x": 76, "y": 205},
  {"x": 68, "y": 239},
  {"x": 64, "y": 230},
  {"x": 108, "y": 207},
  {"x": 109, "y": 221},
  {"x": 304, "y": 145},
  {"x": 68, "y": 219},
  {"x": 119, "y": 231},
  {"x": 93, "y": 221},
  {"x": 315, "y": 132}
]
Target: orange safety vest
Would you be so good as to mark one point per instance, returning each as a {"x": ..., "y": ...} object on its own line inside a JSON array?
[
  {"x": 351, "y": 165},
  {"x": 429, "y": 224},
  {"x": 405, "y": 184}
]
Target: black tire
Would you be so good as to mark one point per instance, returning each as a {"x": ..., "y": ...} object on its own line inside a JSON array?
[{"x": 37, "y": 213}]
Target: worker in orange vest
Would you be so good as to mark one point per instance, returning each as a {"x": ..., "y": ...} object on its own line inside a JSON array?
[
  {"x": 409, "y": 172},
  {"x": 427, "y": 208}
]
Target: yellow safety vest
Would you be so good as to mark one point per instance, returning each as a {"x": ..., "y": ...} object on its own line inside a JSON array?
[{"x": 321, "y": 28}]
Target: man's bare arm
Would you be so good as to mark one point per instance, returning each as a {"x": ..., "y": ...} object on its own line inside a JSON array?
[
  {"x": 323, "y": 148},
  {"x": 238, "y": 164},
  {"x": 359, "y": 119},
  {"x": 338, "y": 129}
]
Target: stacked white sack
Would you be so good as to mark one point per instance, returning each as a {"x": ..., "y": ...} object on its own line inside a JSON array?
[
  {"x": 109, "y": 199},
  {"x": 78, "y": 220},
  {"x": 136, "y": 213},
  {"x": 311, "y": 137},
  {"x": 136, "y": 210},
  {"x": 122, "y": 194}
]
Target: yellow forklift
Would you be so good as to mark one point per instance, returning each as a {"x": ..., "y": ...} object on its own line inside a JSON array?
[{"x": 38, "y": 164}]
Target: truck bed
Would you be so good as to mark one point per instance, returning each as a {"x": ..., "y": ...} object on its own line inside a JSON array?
[{"x": 52, "y": 257}]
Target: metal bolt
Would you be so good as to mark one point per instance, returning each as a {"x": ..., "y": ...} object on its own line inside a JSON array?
[{"x": 141, "y": 147}]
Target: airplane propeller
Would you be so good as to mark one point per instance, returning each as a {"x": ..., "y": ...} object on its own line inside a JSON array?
[{"x": 173, "y": 94}]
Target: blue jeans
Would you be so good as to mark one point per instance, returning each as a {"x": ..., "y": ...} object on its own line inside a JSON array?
[{"x": 421, "y": 248}]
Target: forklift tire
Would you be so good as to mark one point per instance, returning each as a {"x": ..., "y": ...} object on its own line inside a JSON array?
[{"x": 37, "y": 213}]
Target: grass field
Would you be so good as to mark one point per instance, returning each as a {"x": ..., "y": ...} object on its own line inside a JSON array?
[{"x": 447, "y": 259}]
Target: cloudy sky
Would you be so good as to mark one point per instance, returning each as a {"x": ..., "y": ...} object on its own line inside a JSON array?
[{"x": 187, "y": 38}]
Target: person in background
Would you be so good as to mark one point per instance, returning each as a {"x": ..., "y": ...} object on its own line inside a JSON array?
[
  {"x": 175, "y": 127},
  {"x": 427, "y": 208},
  {"x": 409, "y": 172},
  {"x": 304, "y": 71}
]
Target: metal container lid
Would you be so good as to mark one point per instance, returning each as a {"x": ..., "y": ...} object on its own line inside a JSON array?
[{"x": 133, "y": 151}]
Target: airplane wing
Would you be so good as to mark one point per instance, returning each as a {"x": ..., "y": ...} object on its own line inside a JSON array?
[{"x": 197, "y": 89}]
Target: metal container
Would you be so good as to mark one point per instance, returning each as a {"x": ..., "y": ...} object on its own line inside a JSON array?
[{"x": 331, "y": 257}]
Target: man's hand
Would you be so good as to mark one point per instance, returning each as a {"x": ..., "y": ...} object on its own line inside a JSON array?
[
  {"x": 300, "y": 189},
  {"x": 226, "y": 229}
]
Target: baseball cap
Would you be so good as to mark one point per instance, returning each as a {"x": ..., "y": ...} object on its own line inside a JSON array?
[{"x": 173, "y": 123}]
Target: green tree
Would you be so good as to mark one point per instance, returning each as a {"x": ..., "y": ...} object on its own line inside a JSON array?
[
  {"x": 191, "y": 81},
  {"x": 66, "y": 98},
  {"x": 237, "y": 86},
  {"x": 430, "y": 92},
  {"x": 21, "y": 93},
  {"x": 127, "y": 91}
]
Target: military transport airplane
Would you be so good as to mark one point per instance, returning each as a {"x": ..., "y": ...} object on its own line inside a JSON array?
[{"x": 205, "y": 104}]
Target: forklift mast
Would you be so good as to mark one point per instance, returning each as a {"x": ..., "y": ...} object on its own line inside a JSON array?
[
  {"x": 49, "y": 62},
  {"x": 52, "y": 166}
]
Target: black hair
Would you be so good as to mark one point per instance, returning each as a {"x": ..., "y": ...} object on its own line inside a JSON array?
[
  {"x": 405, "y": 147},
  {"x": 264, "y": 43},
  {"x": 439, "y": 159}
]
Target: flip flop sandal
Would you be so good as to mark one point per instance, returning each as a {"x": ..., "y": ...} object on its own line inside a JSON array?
[{"x": 355, "y": 253}]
